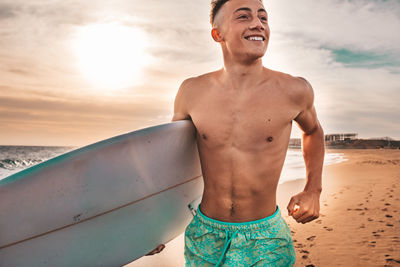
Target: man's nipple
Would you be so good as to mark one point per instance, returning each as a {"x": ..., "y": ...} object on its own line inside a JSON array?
[
  {"x": 204, "y": 136},
  {"x": 269, "y": 139}
]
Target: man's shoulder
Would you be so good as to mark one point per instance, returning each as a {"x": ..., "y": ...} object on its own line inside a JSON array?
[
  {"x": 287, "y": 78},
  {"x": 206, "y": 77},
  {"x": 294, "y": 84},
  {"x": 296, "y": 87},
  {"x": 195, "y": 82}
]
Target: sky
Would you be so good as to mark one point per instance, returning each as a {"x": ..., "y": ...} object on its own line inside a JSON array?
[{"x": 77, "y": 72}]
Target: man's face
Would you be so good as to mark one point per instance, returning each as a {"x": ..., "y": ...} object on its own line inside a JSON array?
[{"x": 242, "y": 24}]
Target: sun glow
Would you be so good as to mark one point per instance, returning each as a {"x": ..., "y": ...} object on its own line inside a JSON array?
[{"x": 110, "y": 56}]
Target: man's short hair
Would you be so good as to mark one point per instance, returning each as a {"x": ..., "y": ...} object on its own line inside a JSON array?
[{"x": 215, "y": 7}]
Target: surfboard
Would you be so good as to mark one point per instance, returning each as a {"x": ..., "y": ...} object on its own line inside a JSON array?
[{"x": 105, "y": 204}]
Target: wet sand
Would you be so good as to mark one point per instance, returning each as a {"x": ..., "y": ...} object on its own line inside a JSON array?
[{"x": 359, "y": 223}]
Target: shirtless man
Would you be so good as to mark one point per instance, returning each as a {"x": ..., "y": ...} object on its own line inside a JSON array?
[{"x": 243, "y": 115}]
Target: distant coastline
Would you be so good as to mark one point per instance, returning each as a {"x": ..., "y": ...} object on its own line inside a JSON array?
[{"x": 295, "y": 143}]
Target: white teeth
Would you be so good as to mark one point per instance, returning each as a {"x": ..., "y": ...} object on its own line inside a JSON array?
[{"x": 255, "y": 38}]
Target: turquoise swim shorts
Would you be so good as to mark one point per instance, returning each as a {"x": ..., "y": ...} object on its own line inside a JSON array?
[{"x": 264, "y": 242}]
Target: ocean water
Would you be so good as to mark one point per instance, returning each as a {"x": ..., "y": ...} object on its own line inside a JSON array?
[
  {"x": 16, "y": 158},
  {"x": 294, "y": 166}
]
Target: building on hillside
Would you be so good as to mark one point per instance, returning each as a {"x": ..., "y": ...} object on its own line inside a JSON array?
[{"x": 340, "y": 137}]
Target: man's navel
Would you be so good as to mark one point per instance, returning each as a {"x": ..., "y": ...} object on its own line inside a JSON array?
[{"x": 232, "y": 210}]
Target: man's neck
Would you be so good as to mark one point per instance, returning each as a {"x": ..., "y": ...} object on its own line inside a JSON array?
[{"x": 241, "y": 76}]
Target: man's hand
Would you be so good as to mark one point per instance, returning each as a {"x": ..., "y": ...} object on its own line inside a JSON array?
[
  {"x": 304, "y": 207},
  {"x": 158, "y": 249}
]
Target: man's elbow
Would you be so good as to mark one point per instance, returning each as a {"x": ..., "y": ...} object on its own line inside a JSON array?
[{"x": 316, "y": 130}]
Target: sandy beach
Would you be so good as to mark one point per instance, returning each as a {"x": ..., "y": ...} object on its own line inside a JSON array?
[{"x": 359, "y": 223}]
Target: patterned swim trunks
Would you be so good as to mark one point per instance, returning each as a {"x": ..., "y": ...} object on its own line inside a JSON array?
[{"x": 264, "y": 242}]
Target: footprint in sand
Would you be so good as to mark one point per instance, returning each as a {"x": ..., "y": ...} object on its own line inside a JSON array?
[
  {"x": 311, "y": 238},
  {"x": 370, "y": 220},
  {"x": 387, "y": 204},
  {"x": 304, "y": 251},
  {"x": 384, "y": 209},
  {"x": 362, "y": 213},
  {"x": 389, "y": 224},
  {"x": 310, "y": 265},
  {"x": 330, "y": 229},
  {"x": 388, "y": 216},
  {"x": 362, "y": 226},
  {"x": 318, "y": 221},
  {"x": 392, "y": 260}
]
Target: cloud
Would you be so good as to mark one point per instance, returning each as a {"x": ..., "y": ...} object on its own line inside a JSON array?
[
  {"x": 358, "y": 25},
  {"x": 348, "y": 50},
  {"x": 7, "y": 11}
]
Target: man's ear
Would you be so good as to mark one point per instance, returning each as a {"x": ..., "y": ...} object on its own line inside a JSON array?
[{"x": 216, "y": 35}]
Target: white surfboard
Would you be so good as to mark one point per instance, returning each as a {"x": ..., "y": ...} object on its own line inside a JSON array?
[{"x": 105, "y": 204}]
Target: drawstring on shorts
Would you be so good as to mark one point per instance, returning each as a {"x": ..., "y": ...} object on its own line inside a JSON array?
[{"x": 226, "y": 245}]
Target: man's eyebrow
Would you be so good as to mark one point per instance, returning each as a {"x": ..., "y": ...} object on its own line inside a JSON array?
[{"x": 248, "y": 9}]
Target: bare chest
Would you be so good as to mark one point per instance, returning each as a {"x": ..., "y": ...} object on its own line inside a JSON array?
[{"x": 243, "y": 120}]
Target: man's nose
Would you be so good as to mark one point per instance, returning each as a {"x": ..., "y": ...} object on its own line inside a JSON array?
[{"x": 257, "y": 24}]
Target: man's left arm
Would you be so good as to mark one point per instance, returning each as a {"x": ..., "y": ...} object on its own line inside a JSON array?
[{"x": 313, "y": 147}]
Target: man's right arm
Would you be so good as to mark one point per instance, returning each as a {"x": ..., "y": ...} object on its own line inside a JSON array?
[
  {"x": 180, "y": 105},
  {"x": 180, "y": 113}
]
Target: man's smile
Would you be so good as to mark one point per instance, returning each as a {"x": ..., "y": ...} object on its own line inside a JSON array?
[{"x": 255, "y": 38}]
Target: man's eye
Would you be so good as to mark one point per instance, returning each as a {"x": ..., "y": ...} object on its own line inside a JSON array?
[
  {"x": 264, "y": 18},
  {"x": 242, "y": 16}
]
